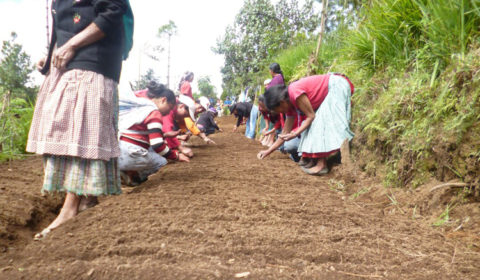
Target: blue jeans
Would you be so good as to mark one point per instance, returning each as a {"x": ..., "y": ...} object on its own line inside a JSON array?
[
  {"x": 291, "y": 147},
  {"x": 251, "y": 123}
]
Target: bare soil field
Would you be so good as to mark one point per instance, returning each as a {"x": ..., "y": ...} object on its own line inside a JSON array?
[{"x": 227, "y": 215}]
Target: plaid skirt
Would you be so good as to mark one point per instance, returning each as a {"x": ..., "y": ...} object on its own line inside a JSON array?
[
  {"x": 76, "y": 115},
  {"x": 81, "y": 176}
]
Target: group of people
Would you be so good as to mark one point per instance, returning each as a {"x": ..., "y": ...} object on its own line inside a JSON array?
[
  {"x": 91, "y": 137},
  {"x": 154, "y": 125},
  {"x": 309, "y": 118}
]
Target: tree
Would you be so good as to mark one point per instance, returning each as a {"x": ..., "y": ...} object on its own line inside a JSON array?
[
  {"x": 16, "y": 98},
  {"x": 168, "y": 30},
  {"x": 206, "y": 88},
  {"x": 15, "y": 70},
  {"x": 260, "y": 30},
  {"x": 145, "y": 79}
]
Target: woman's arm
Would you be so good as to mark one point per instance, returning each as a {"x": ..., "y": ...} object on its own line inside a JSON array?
[
  {"x": 306, "y": 107},
  {"x": 65, "y": 53},
  {"x": 287, "y": 128}
]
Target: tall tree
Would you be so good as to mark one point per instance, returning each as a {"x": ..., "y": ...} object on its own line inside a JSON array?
[
  {"x": 15, "y": 69},
  {"x": 168, "y": 30},
  {"x": 145, "y": 79},
  {"x": 206, "y": 88},
  {"x": 259, "y": 31}
]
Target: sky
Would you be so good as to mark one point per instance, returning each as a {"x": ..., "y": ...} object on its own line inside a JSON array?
[{"x": 199, "y": 25}]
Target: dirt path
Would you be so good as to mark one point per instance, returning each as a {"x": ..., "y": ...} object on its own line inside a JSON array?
[{"x": 227, "y": 215}]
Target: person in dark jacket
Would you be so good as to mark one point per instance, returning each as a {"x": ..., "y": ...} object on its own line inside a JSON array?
[
  {"x": 75, "y": 121},
  {"x": 206, "y": 122}
]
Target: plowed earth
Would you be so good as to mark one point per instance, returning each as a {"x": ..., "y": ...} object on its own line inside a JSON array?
[{"x": 227, "y": 215}]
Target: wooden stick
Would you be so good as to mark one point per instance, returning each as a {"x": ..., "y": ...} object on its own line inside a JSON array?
[
  {"x": 360, "y": 275},
  {"x": 452, "y": 184},
  {"x": 322, "y": 26}
]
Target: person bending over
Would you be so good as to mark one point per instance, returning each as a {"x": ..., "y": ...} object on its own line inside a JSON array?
[
  {"x": 325, "y": 100},
  {"x": 206, "y": 122},
  {"x": 143, "y": 150}
]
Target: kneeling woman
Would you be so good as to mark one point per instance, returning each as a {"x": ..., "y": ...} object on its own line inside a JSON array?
[
  {"x": 143, "y": 150},
  {"x": 325, "y": 101}
]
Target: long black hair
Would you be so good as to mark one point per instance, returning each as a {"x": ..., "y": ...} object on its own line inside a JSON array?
[
  {"x": 275, "y": 67},
  {"x": 157, "y": 90},
  {"x": 274, "y": 95}
]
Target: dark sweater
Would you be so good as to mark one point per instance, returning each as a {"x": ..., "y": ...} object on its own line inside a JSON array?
[
  {"x": 71, "y": 17},
  {"x": 243, "y": 111},
  {"x": 207, "y": 121}
]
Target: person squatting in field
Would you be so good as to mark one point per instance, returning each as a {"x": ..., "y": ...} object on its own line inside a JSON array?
[
  {"x": 74, "y": 125},
  {"x": 143, "y": 149},
  {"x": 325, "y": 100},
  {"x": 206, "y": 122}
]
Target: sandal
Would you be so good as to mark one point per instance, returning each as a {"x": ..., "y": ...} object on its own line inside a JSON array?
[
  {"x": 41, "y": 235},
  {"x": 321, "y": 172},
  {"x": 311, "y": 163},
  {"x": 303, "y": 161}
]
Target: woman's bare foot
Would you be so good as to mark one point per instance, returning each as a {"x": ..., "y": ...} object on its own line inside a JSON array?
[
  {"x": 320, "y": 167},
  {"x": 68, "y": 211},
  {"x": 87, "y": 202}
]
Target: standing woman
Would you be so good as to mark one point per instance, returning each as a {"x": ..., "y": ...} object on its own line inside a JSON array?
[
  {"x": 185, "y": 86},
  {"x": 74, "y": 125},
  {"x": 325, "y": 101}
]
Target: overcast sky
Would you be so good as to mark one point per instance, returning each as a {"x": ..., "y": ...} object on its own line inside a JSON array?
[{"x": 199, "y": 25}]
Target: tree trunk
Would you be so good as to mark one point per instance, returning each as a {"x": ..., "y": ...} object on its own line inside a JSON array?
[{"x": 322, "y": 27}]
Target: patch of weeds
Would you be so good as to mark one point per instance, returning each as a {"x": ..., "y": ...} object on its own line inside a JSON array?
[
  {"x": 337, "y": 186},
  {"x": 445, "y": 216},
  {"x": 359, "y": 193}
]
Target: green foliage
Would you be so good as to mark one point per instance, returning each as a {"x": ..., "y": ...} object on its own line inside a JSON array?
[
  {"x": 259, "y": 31},
  {"x": 16, "y": 116},
  {"x": 15, "y": 70},
  {"x": 16, "y": 99},
  {"x": 206, "y": 88},
  {"x": 417, "y": 33},
  {"x": 144, "y": 80},
  {"x": 415, "y": 68}
]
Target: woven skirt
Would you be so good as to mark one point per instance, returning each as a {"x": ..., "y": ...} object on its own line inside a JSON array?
[
  {"x": 331, "y": 124},
  {"x": 81, "y": 176}
]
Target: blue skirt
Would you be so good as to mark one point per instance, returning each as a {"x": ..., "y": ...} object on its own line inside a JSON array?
[{"x": 331, "y": 124}]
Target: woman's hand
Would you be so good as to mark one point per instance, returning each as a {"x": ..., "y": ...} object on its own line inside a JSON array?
[
  {"x": 171, "y": 134},
  {"x": 41, "y": 64},
  {"x": 287, "y": 136},
  {"x": 262, "y": 154},
  {"x": 183, "y": 158},
  {"x": 62, "y": 56},
  {"x": 209, "y": 141},
  {"x": 183, "y": 137},
  {"x": 186, "y": 151},
  {"x": 235, "y": 128},
  {"x": 264, "y": 131}
]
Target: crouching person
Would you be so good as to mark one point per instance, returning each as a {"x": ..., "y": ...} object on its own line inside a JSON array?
[{"x": 143, "y": 150}]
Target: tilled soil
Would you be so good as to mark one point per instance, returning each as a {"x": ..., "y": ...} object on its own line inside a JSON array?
[{"x": 227, "y": 215}]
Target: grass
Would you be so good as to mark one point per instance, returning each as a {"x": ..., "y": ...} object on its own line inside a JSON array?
[{"x": 444, "y": 217}]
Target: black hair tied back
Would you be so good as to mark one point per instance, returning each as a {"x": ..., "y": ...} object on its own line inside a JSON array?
[
  {"x": 274, "y": 95},
  {"x": 157, "y": 90}
]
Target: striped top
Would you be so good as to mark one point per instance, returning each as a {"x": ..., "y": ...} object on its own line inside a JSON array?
[{"x": 149, "y": 134}]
